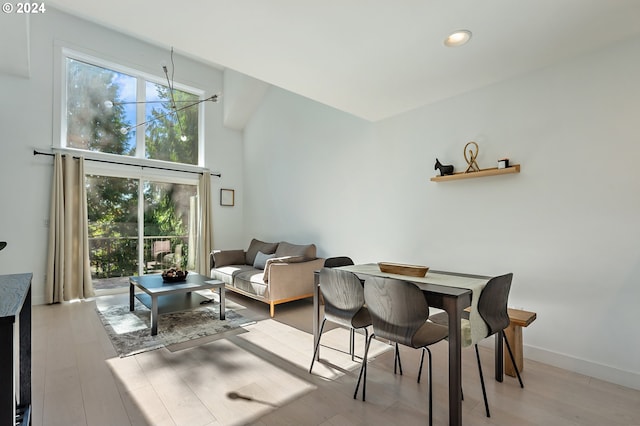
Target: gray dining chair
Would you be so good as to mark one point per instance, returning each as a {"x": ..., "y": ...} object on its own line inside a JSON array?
[
  {"x": 337, "y": 261},
  {"x": 343, "y": 304},
  {"x": 399, "y": 313},
  {"x": 492, "y": 307}
]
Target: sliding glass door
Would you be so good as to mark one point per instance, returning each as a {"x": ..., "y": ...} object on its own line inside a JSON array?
[
  {"x": 169, "y": 221},
  {"x": 139, "y": 226},
  {"x": 112, "y": 207}
]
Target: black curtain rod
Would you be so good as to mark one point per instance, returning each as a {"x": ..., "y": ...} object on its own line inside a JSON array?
[{"x": 35, "y": 152}]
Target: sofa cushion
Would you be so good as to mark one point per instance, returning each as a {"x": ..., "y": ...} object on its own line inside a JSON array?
[
  {"x": 261, "y": 259},
  {"x": 226, "y": 274},
  {"x": 250, "y": 281},
  {"x": 255, "y": 246},
  {"x": 307, "y": 251},
  {"x": 228, "y": 257}
]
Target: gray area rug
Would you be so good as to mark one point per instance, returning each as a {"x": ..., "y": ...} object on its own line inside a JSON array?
[{"x": 130, "y": 332}]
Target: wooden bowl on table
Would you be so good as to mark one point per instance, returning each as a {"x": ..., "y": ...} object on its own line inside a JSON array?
[{"x": 402, "y": 269}]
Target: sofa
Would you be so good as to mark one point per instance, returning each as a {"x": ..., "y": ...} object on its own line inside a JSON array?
[{"x": 273, "y": 273}]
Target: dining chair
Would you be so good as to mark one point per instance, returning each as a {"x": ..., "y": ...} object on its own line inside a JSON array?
[
  {"x": 343, "y": 304},
  {"x": 399, "y": 313},
  {"x": 492, "y": 307},
  {"x": 336, "y": 262}
]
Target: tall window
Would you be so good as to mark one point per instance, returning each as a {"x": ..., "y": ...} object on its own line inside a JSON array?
[
  {"x": 140, "y": 221},
  {"x": 100, "y": 102},
  {"x": 171, "y": 136},
  {"x": 113, "y": 111}
]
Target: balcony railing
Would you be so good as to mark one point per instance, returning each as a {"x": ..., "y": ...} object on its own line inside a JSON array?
[{"x": 118, "y": 256}]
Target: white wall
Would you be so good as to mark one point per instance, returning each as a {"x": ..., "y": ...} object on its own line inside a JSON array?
[
  {"x": 26, "y": 120},
  {"x": 567, "y": 226}
]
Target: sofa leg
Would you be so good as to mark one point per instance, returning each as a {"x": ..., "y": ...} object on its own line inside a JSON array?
[{"x": 272, "y": 309}]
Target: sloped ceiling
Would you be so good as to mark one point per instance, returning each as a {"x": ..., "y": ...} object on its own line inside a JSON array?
[{"x": 371, "y": 58}]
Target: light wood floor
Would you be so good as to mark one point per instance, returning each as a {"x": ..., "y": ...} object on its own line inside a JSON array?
[{"x": 260, "y": 377}]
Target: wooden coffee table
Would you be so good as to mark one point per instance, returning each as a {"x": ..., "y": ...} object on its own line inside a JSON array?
[{"x": 164, "y": 297}]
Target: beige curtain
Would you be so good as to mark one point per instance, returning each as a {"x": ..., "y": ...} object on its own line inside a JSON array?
[
  {"x": 68, "y": 272},
  {"x": 205, "y": 227}
]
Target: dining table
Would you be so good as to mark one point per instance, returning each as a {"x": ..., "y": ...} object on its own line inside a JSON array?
[{"x": 452, "y": 292}]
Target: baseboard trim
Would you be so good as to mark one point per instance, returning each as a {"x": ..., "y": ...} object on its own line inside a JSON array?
[
  {"x": 588, "y": 368},
  {"x": 607, "y": 373}
]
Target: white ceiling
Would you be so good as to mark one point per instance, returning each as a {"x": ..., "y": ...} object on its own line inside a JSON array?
[{"x": 371, "y": 58}]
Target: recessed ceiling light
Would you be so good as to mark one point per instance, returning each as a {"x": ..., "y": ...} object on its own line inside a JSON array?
[{"x": 457, "y": 38}]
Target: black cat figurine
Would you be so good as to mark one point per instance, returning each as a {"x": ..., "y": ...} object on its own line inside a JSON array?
[{"x": 444, "y": 169}]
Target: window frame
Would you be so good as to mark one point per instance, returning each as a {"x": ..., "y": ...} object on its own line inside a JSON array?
[
  {"x": 60, "y": 97},
  {"x": 142, "y": 175}
]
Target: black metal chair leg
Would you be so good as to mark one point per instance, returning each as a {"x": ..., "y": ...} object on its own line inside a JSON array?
[
  {"x": 366, "y": 336},
  {"x": 484, "y": 391},
  {"x": 421, "y": 362},
  {"x": 315, "y": 350},
  {"x": 363, "y": 370},
  {"x": 430, "y": 388},
  {"x": 352, "y": 349},
  {"x": 515, "y": 367},
  {"x": 396, "y": 361},
  {"x": 366, "y": 367}
]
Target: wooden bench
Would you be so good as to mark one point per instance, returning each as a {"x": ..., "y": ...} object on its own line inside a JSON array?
[{"x": 519, "y": 319}]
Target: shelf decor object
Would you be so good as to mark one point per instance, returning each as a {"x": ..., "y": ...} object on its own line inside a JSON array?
[
  {"x": 481, "y": 173},
  {"x": 471, "y": 160},
  {"x": 445, "y": 169}
]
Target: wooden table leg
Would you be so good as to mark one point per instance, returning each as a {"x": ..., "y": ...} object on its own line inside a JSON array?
[
  {"x": 519, "y": 318},
  {"x": 514, "y": 334}
]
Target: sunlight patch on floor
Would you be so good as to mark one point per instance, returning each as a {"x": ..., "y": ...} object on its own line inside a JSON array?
[{"x": 335, "y": 360}]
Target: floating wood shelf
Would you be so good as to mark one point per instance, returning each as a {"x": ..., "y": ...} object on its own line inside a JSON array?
[{"x": 482, "y": 173}]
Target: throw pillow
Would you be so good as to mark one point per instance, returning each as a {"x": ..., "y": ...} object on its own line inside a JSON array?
[
  {"x": 228, "y": 257},
  {"x": 261, "y": 260},
  {"x": 308, "y": 251},
  {"x": 255, "y": 246}
]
